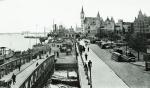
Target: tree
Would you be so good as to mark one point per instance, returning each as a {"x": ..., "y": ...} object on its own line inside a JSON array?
[{"x": 137, "y": 43}]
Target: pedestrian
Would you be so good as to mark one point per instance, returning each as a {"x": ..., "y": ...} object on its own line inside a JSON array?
[
  {"x": 37, "y": 64},
  {"x": 14, "y": 78},
  {"x": 86, "y": 69},
  {"x": 90, "y": 79},
  {"x": 83, "y": 48},
  {"x": 88, "y": 49},
  {"x": 86, "y": 56},
  {"x": 90, "y": 64},
  {"x": 19, "y": 66},
  {"x": 57, "y": 54}
]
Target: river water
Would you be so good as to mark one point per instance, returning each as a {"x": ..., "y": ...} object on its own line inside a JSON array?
[{"x": 16, "y": 42}]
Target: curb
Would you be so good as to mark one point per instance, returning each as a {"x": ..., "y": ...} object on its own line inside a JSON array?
[{"x": 136, "y": 64}]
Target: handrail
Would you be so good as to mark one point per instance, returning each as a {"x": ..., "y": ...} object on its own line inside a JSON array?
[
  {"x": 80, "y": 55},
  {"x": 13, "y": 60},
  {"x": 40, "y": 70},
  {"x": 8, "y": 67}
]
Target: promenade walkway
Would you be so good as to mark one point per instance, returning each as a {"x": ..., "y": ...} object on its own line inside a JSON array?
[
  {"x": 82, "y": 77},
  {"x": 7, "y": 78},
  {"x": 102, "y": 75},
  {"x": 26, "y": 72}
]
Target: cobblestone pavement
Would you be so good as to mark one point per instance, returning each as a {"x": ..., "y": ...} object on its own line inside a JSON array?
[{"x": 134, "y": 76}]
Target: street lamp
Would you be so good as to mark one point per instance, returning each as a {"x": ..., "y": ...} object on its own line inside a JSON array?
[{"x": 90, "y": 65}]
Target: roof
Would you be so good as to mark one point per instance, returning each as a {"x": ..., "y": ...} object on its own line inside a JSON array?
[{"x": 90, "y": 19}]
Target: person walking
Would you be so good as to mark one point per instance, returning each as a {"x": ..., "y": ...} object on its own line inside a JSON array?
[
  {"x": 37, "y": 64},
  {"x": 90, "y": 79},
  {"x": 88, "y": 49},
  {"x": 14, "y": 78},
  {"x": 86, "y": 56},
  {"x": 86, "y": 70},
  {"x": 90, "y": 64},
  {"x": 57, "y": 54},
  {"x": 19, "y": 66}
]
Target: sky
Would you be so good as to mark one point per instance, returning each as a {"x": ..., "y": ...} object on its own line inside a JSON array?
[{"x": 35, "y": 15}]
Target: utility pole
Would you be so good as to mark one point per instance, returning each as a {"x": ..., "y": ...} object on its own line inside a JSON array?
[{"x": 36, "y": 34}]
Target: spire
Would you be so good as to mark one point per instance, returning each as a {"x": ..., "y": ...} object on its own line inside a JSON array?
[
  {"x": 112, "y": 19},
  {"x": 82, "y": 11},
  {"x": 82, "y": 14},
  {"x": 98, "y": 15},
  {"x": 140, "y": 14}
]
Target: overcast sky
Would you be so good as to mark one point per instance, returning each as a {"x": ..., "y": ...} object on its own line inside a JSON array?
[{"x": 24, "y": 15}]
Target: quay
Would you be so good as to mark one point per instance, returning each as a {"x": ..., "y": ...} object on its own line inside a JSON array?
[
  {"x": 101, "y": 75},
  {"x": 34, "y": 68},
  {"x": 33, "y": 75}
]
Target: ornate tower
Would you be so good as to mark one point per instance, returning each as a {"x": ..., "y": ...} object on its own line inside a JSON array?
[
  {"x": 82, "y": 19},
  {"x": 98, "y": 23},
  {"x": 98, "y": 16}
]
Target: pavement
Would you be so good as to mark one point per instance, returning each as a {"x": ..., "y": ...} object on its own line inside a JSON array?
[
  {"x": 140, "y": 63},
  {"x": 82, "y": 77},
  {"x": 102, "y": 75},
  {"x": 20, "y": 78},
  {"x": 24, "y": 72},
  {"x": 7, "y": 77},
  {"x": 134, "y": 76}
]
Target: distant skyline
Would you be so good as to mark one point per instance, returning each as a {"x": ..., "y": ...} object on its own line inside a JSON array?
[{"x": 34, "y": 15}]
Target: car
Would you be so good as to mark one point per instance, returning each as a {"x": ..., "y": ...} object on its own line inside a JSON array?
[
  {"x": 131, "y": 59},
  {"x": 127, "y": 58}
]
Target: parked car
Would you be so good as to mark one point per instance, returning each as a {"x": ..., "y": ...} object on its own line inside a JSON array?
[
  {"x": 127, "y": 58},
  {"x": 116, "y": 56}
]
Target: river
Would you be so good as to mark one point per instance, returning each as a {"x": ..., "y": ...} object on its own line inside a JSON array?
[{"x": 16, "y": 42}]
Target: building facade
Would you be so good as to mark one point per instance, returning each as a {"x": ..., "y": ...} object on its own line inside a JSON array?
[
  {"x": 93, "y": 25},
  {"x": 142, "y": 23},
  {"x": 122, "y": 27},
  {"x": 109, "y": 24},
  {"x": 89, "y": 25}
]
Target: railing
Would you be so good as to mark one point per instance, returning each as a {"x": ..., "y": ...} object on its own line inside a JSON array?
[
  {"x": 8, "y": 67},
  {"x": 79, "y": 48},
  {"x": 39, "y": 74}
]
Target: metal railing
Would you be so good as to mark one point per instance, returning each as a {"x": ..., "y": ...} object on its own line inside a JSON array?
[
  {"x": 8, "y": 67},
  {"x": 38, "y": 75}
]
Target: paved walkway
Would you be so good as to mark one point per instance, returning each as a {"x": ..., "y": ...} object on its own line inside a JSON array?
[
  {"x": 82, "y": 77},
  {"x": 20, "y": 78},
  {"x": 102, "y": 75},
  {"x": 7, "y": 77}
]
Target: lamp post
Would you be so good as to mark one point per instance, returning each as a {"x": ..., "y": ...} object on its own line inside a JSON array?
[{"x": 90, "y": 65}]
